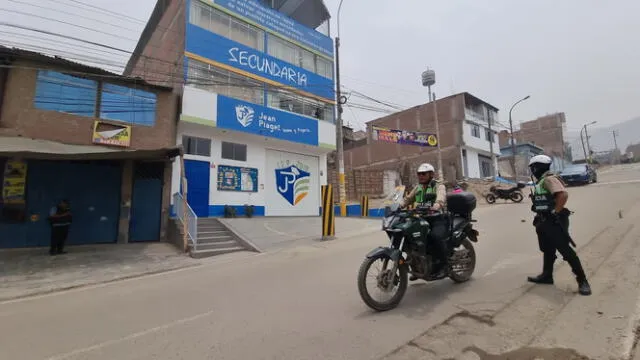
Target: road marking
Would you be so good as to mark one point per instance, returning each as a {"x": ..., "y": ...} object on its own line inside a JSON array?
[
  {"x": 130, "y": 337},
  {"x": 269, "y": 228}
]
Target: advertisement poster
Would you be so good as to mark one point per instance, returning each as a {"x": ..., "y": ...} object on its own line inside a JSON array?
[
  {"x": 404, "y": 137},
  {"x": 14, "y": 182},
  {"x": 233, "y": 178},
  {"x": 110, "y": 134}
]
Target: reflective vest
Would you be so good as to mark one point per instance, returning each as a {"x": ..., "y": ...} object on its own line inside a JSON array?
[
  {"x": 426, "y": 196},
  {"x": 543, "y": 200}
]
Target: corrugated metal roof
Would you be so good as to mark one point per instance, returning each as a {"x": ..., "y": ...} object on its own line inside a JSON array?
[{"x": 9, "y": 55}]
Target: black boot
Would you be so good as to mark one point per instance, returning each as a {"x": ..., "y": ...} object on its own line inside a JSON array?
[
  {"x": 576, "y": 267},
  {"x": 583, "y": 287},
  {"x": 546, "y": 277}
]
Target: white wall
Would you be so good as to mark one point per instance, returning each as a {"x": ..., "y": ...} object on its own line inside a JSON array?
[
  {"x": 326, "y": 134},
  {"x": 473, "y": 164},
  {"x": 479, "y": 143}
]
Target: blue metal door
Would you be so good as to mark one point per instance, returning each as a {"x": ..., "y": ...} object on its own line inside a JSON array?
[
  {"x": 198, "y": 175},
  {"x": 146, "y": 203},
  {"x": 93, "y": 189}
]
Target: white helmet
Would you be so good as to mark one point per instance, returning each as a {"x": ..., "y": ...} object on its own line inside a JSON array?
[
  {"x": 425, "y": 168},
  {"x": 540, "y": 159}
]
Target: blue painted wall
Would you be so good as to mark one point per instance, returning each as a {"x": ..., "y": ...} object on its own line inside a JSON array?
[{"x": 228, "y": 52}]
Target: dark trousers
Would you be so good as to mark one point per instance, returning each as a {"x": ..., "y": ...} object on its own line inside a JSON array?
[
  {"x": 58, "y": 238},
  {"x": 438, "y": 238},
  {"x": 552, "y": 237}
]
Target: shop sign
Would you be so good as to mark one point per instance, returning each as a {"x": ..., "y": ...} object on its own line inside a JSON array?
[
  {"x": 404, "y": 137},
  {"x": 14, "y": 182},
  {"x": 111, "y": 134},
  {"x": 260, "y": 120}
]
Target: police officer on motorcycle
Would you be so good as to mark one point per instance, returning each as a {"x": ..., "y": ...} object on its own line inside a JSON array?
[
  {"x": 431, "y": 194},
  {"x": 552, "y": 224}
]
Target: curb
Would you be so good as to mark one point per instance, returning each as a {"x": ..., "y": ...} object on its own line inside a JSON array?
[{"x": 33, "y": 294}]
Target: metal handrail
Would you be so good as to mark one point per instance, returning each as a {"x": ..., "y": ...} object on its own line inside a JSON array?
[{"x": 187, "y": 215}]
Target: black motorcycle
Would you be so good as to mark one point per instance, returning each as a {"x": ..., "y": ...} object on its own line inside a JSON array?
[
  {"x": 514, "y": 193},
  {"x": 411, "y": 252}
]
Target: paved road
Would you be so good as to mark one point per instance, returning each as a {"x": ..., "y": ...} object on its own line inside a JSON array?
[{"x": 296, "y": 303}]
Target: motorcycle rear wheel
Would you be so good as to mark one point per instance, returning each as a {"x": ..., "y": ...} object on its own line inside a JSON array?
[
  {"x": 490, "y": 198},
  {"x": 401, "y": 276},
  {"x": 457, "y": 258},
  {"x": 517, "y": 196}
]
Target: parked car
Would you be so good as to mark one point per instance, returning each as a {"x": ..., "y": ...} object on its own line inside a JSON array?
[{"x": 579, "y": 174}]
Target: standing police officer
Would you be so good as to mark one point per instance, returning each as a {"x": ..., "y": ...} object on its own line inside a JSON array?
[{"x": 552, "y": 224}]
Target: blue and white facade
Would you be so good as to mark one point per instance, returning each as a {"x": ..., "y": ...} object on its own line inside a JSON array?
[{"x": 257, "y": 116}]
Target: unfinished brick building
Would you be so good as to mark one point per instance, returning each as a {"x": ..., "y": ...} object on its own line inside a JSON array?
[
  {"x": 464, "y": 137},
  {"x": 547, "y": 132}
]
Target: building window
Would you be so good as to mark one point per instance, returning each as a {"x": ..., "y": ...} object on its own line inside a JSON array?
[
  {"x": 489, "y": 135},
  {"x": 196, "y": 146},
  {"x": 224, "y": 82},
  {"x": 293, "y": 54},
  {"x": 132, "y": 106},
  {"x": 65, "y": 93},
  {"x": 233, "y": 151},
  {"x": 287, "y": 101},
  {"x": 225, "y": 25},
  {"x": 475, "y": 130}
]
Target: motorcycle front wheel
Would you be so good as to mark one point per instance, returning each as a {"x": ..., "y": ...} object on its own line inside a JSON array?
[
  {"x": 393, "y": 290},
  {"x": 516, "y": 196}
]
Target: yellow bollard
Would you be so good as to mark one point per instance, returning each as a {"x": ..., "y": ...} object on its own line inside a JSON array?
[
  {"x": 364, "y": 206},
  {"x": 328, "y": 213}
]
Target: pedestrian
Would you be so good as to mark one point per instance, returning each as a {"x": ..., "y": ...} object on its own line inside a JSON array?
[
  {"x": 60, "y": 220},
  {"x": 552, "y": 224}
]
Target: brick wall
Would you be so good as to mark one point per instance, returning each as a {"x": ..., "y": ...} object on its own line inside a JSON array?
[
  {"x": 161, "y": 56},
  {"x": 378, "y": 155},
  {"x": 21, "y": 117},
  {"x": 546, "y": 132},
  {"x": 358, "y": 183}
]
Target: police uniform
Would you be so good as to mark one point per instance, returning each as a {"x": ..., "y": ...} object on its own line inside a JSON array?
[
  {"x": 429, "y": 195},
  {"x": 553, "y": 232}
]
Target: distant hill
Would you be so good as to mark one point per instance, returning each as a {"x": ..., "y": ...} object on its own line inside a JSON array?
[{"x": 601, "y": 139}]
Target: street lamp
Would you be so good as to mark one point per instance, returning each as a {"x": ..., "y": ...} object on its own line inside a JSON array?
[
  {"x": 586, "y": 137},
  {"x": 342, "y": 193},
  {"x": 513, "y": 142},
  {"x": 429, "y": 79}
]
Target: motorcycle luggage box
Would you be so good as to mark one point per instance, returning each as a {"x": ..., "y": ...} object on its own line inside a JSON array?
[{"x": 462, "y": 203}]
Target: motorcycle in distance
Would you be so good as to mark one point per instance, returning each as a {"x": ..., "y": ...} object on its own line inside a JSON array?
[
  {"x": 410, "y": 250},
  {"x": 514, "y": 193}
]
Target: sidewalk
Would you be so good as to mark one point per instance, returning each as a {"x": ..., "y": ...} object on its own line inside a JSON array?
[
  {"x": 552, "y": 322},
  {"x": 26, "y": 272}
]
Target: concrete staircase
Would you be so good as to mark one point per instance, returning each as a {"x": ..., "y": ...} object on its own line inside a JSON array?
[{"x": 215, "y": 239}]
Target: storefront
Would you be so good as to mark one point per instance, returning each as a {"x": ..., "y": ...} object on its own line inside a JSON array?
[
  {"x": 114, "y": 196},
  {"x": 273, "y": 161}
]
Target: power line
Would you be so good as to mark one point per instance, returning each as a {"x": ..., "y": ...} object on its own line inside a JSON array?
[{"x": 72, "y": 14}]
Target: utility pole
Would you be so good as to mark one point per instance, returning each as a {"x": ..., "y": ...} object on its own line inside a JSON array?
[
  {"x": 429, "y": 79},
  {"x": 615, "y": 139},
  {"x": 342, "y": 193},
  {"x": 513, "y": 141},
  {"x": 435, "y": 116},
  {"x": 584, "y": 149},
  {"x": 587, "y": 152},
  {"x": 493, "y": 162}
]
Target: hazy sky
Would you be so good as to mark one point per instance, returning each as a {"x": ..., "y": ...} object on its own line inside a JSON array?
[{"x": 576, "y": 56}]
